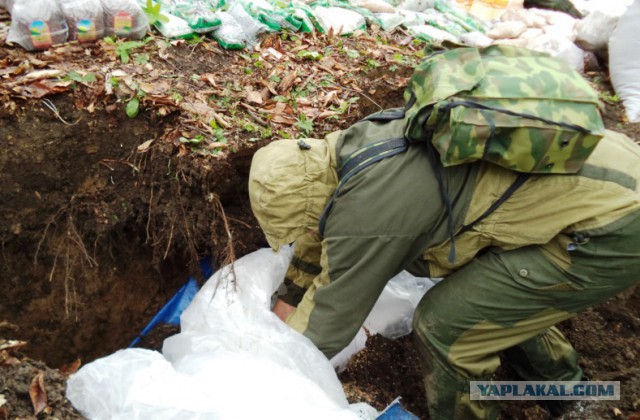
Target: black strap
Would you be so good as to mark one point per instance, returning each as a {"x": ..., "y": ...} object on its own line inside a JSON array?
[
  {"x": 521, "y": 179},
  {"x": 359, "y": 160},
  {"x": 471, "y": 104}
]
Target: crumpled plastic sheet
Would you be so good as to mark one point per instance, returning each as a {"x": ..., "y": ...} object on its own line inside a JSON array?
[{"x": 234, "y": 359}]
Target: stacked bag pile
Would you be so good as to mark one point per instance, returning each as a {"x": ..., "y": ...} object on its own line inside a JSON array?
[
  {"x": 39, "y": 24},
  {"x": 236, "y": 24}
]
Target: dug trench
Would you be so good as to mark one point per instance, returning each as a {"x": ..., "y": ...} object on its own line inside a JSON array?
[{"x": 101, "y": 223}]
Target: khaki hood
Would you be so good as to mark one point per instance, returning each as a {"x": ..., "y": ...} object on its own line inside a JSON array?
[{"x": 290, "y": 183}]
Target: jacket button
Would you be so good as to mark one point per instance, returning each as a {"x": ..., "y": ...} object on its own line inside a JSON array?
[{"x": 523, "y": 272}]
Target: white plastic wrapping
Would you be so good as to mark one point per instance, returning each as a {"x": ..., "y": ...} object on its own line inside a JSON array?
[
  {"x": 624, "y": 61},
  {"x": 124, "y": 18},
  {"x": 37, "y": 24},
  {"x": 234, "y": 359},
  {"x": 392, "y": 315},
  {"x": 85, "y": 19}
]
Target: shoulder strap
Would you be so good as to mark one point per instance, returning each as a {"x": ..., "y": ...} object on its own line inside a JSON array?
[
  {"x": 521, "y": 179},
  {"x": 362, "y": 159}
]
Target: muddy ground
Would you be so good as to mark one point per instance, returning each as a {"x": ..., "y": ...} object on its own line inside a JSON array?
[{"x": 103, "y": 215}]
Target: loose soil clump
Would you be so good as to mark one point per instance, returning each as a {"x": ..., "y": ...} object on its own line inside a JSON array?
[{"x": 103, "y": 216}]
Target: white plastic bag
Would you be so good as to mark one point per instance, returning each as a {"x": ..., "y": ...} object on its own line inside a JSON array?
[
  {"x": 85, "y": 19},
  {"x": 624, "y": 61},
  {"x": 238, "y": 29},
  {"x": 234, "y": 359},
  {"x": 125, "y": 19},
  {"x": 37, "y": 24},
  {"x": 340, "y": 20},
  {"x": 392, "y": 315}
]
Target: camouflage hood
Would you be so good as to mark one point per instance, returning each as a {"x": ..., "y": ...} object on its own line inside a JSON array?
[{"x": 290, "y": 183}]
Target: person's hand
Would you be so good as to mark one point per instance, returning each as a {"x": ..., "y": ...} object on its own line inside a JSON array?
[{"x": 283, "y": 309}]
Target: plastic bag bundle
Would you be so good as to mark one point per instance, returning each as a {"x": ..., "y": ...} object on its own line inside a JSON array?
[
  {"x": 238, "y": 29},
  {"x": 441, "y": 21},
  {"x": 125, "y": 19},
  {"x": 339, "y": 20},
  {"x": 432, "y": 35},
  {"x": 389, "y": 21},
  {"x": 37, "y": 24},
  {"x": 199, "y": 15},
  {"x": 464, "y": 19},
  {"x": 392, "y": 315},
  {"x": 84, "y": 18},
  {"x": 174, "y": 27},
  {"x": 234, "y": 359}
]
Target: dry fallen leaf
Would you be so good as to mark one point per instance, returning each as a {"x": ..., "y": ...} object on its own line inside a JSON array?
[
  {"x": 70, "y": 368},
  {"x": 287, "y": 82},
  {"x": 42, "y": 74},
  {"x": 11, "y": 344},
  {"x": 38, "y": 393},
  {"x": 145, "y": 146},
  {"x": 254, "y": 97}
]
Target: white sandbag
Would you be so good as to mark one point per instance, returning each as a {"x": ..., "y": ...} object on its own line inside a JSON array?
[
  {"x": 589, "y": 6},
  {"x": 374, "y": 6},
  {"x": 37, "y": 24},
  {"x": 416, "y": 5},
  {"x": 593, "y": 32},
  {"x": 475, "y": 39},
  {"x": 523, "y": 15},
  {"x": 339, "y": 20},
  {"x": 560, "y": 48},
  {"x": 560, "y": 31},
  {"x": 389, "y": 21},
  {"x": 531, "y": 33},
  {"x": 512, "y": 42},
  {"x": 431, "y": 34},
  {"x": 507, "y": 30},
  {"x": 624, "y": 61}
]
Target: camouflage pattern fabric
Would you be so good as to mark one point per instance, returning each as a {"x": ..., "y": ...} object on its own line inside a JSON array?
[
  {"x": 509, "y": 301},
  {"x": 506, "y": 105}
]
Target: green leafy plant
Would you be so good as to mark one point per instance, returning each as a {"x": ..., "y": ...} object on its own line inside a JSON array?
[
  {"x": 352, "y": 53},
  {"x": 141, "y": 59},
  {"x": 609, "y": 98},
  {"x": 310, "y": 55},
  {"x": 304, "y": 124},
  {"x": 153, "y": 12},
  {"x": 124, "y": 48},
  {"x": 374, "y": 64},
  {"x": 133, "y": 107},
  {"x": 87, "y": 78},
  {"x": 194, "y": 141}
]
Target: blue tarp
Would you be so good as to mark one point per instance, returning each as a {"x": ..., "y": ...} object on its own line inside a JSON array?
[{"x": 171, "y": 311}]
